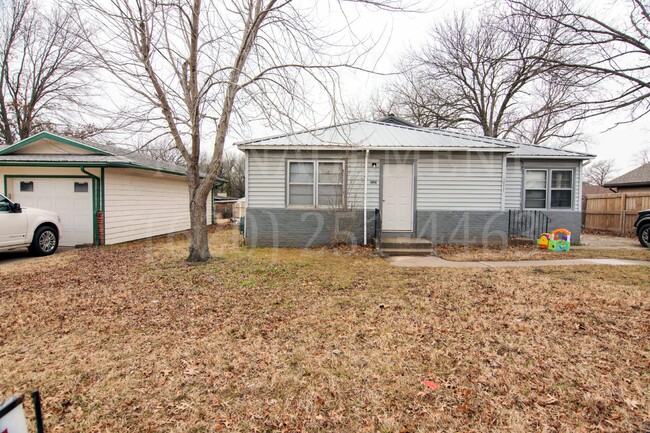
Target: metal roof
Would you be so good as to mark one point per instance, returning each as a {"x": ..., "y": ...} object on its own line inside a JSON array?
[
  {"x": 535, "y": 150},
  {"x": 379, "y": 135},
  {"x": 389, "y": 135},
  {"x": 638, "y": 176}
]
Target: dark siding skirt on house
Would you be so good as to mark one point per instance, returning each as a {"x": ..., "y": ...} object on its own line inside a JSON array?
[{"x": 312, "y": 228}]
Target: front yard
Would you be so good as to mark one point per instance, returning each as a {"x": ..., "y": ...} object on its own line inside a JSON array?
[{"x": 129, "y": 338}]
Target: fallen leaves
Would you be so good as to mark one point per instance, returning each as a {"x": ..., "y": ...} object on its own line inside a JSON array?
[{"x": 129, "y": 338}]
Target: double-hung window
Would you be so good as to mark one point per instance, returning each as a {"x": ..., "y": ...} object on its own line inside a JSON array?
[
  {"x": 561, "y": 189},
  {"x": 548, "y": 189},
  {"x": 535, "y": 194},
  {"x": 301, "y": 183},
  {"x": 316, "y": 183}
]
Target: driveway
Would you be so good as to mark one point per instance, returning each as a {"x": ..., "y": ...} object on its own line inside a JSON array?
[
  {"x": 8, "y": 257},
  {"x": 589, "y": 241}
]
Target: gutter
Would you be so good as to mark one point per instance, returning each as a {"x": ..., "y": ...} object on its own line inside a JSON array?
[
  {"x": 504, "y": 168},
  {"x": 382, "y": 148}
]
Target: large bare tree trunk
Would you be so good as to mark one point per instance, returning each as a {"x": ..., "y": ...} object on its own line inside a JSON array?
[{"x": 199, "y": 250}]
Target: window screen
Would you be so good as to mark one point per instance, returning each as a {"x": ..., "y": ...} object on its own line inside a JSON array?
[
  {"x": 330, "y": 184},
  {"x": 301, "y": 183},
  {"x": 535, "y": 189},
  {"x": 561, "y": 189}
]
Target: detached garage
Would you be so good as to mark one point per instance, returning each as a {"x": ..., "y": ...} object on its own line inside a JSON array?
[{"x": 103, "y": 194}]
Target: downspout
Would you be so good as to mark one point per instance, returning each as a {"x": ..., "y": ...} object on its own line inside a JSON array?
[
  {"x": 97, "y": 201},
  {"x": 504, "y": 167},
  {"x": 365, "y": 199}
]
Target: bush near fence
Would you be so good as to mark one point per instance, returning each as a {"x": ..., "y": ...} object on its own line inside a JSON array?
[{"x": 615, "y": 212}]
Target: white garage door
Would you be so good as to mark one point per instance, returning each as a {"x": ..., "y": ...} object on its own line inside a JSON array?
[{"x": 71, "y": 198}]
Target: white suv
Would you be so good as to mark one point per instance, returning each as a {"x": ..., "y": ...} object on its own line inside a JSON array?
[{"x": 37, "y": 229}]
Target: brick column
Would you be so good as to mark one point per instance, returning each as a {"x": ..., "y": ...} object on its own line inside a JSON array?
[{"x": 100, "y": 227}]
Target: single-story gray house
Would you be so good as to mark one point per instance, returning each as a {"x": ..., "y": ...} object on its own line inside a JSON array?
[
  {"x": 104, "y": 194},
  {"x": 354, "y": 181}
]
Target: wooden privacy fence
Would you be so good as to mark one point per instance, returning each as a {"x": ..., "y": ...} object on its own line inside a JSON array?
[{"x": 614, "y": 213}]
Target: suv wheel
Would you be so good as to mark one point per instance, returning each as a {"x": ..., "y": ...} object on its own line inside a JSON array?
[
  {"x": 644, "y": 235},
  {"x": 45, "y": 242}
]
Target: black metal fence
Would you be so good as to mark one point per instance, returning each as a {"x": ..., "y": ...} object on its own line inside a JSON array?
[{"x": 527, "y": 223}]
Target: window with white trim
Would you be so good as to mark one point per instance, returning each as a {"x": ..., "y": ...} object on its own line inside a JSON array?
[
  {"x": 535, "y": 189},
  {"x": 548, "y": 189},
  {"x": 317, "y": 183},
  {"x": 561, "y": 189}
]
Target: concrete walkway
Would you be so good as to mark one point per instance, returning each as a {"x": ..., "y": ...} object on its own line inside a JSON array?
[{"x": 437, "y": 262}]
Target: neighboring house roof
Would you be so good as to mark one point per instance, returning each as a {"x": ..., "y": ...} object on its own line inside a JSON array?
[
  {"x": 640, "y": 176},
  {"x": 594, "y": 189},
  {"x": 395, "y": 135},
  {"x": 102, "y": 155}
]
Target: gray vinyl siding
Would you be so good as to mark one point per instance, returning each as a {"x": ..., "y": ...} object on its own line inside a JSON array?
[
  {"x": 550, "y": 164},
  {"x": 459, "y": 181},
  {"x": 267, "y": 177},
  {"x": 514, "y": 179},
  {"x": 355, "y": 175},
  {"x": 444, "y": 180}
]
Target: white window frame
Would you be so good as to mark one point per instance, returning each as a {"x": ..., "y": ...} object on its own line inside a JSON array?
[
  {"x": 289, "y": 183},
  {"x": 314, "y": 199},
  {"x": 551, "y": 189},
  {"x": 548, "y": 189},
  {"x": 535, "y": 189}
]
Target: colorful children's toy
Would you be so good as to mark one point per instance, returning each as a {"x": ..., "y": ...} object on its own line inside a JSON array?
[
  {"x": 543, "y": 241},
  {"x": 560, "y": 240}
]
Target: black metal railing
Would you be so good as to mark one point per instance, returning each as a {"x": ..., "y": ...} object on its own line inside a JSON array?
[
  {"x": 378, "y": 229},
  {"x": 527, "y": 223}
]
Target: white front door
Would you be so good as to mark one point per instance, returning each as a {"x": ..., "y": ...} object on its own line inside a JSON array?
[
  {"x": 71, "y": 198},
  {"x": 397, "y": 198}
]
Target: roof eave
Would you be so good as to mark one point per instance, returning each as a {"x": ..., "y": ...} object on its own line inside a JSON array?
[
  {"x": 618, "y": 185},
  {"x": 572, "y": 157},
  {"x": 376, "y": 148}
]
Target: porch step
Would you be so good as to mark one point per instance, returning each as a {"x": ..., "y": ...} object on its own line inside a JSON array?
[
  {"x": 406, "y": 246},
  {"x": 521, "y": 241}
]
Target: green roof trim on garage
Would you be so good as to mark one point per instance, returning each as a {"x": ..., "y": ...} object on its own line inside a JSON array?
[
  {"x": 102, "y": 156},
  {"x": 54, "y": 137}
]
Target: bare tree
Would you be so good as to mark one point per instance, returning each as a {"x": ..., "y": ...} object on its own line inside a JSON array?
[
  {"x": 198, "y": 66},
  {"x": 43, "y": 77},
  {"x": 232, "y": 169},
  {"x": 492, "y": 77},
  {"x": 609, "y": 41},
  {"x": 600, "y": 172},
  {"x": 161, "y": 150},
  {"x": 642, "y": 157}
]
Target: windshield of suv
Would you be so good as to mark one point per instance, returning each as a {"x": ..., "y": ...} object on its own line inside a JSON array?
[{"x": 4, "y": 204}]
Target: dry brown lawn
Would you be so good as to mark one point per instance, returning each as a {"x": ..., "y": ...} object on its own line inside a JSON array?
[
  {"x": 461, "y": 253},
  {"x": 128, "y": 338}
]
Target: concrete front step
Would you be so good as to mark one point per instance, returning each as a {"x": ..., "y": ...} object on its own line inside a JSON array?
[
  {"x": 407, "y": 252},
  {"x": 406, "y": 246},
  {"x": 521, "y": 241}
]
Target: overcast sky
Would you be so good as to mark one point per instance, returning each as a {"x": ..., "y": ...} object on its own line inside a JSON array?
[{"x": 409, "y": 30}]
